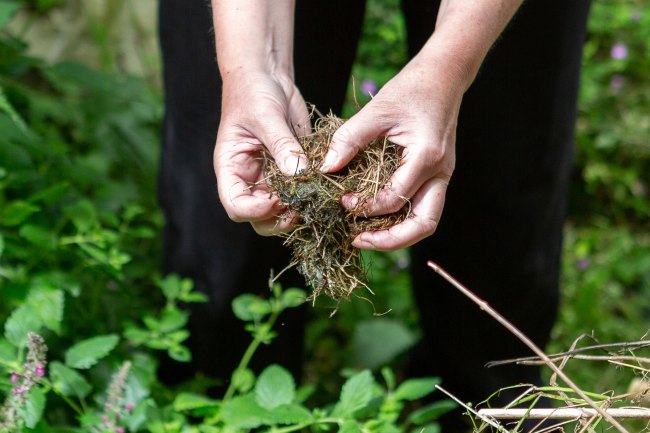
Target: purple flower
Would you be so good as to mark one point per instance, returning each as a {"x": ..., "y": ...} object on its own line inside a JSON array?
[
  {"x": 40, "y": 370},
  {"x": 616, "y": 83},
  {"x": 369, "y": 87},
  {"x": 619, "y": 51}
]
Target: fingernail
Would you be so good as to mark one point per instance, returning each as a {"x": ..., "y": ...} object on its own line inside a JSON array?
[
  {"x": 350, "y": 202},
  {"x": 330, "y": 159},
  {"x": 361, "y": 244},
  {"x": 294, "y": 164}
]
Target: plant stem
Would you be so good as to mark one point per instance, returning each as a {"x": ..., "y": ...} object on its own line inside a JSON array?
[
  {"x": 308, "y": 424},
  {"x": 248, "y": 355}
]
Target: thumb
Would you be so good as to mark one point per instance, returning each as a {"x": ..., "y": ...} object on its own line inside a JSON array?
[
  {"x": 350, "y": 138},
  {"x": 283, "y": 145}
]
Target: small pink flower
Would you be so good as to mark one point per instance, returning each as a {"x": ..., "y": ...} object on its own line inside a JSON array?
[
  {"x": 105, "y": 418},
  {"x": 119, "y": 429},
  {"x": 369, "y": 87},
  {"x": 619, "y": 51},
  {"x": 40, "y": 370},
  {"x": 20, "y": 390},
  {"x": 129, "y": 406},
  {"x": 14, "y": 377}
]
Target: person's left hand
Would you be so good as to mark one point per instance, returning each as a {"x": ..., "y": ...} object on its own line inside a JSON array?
[{"x": 418, "y": 110}]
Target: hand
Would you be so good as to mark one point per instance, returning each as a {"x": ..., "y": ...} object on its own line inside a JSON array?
[
  {"x": 418, "y": 110},
  {"x": 258, "y": 110}
]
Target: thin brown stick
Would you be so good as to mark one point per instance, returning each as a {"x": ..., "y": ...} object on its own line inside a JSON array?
[
  {"x": 566, "y": 413},
  {"x": 527, "y": 341},
  {"x": 627, "y": 345}
]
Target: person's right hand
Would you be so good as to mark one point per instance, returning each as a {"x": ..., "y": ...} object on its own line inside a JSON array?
[{"x": 258, "y": 110}]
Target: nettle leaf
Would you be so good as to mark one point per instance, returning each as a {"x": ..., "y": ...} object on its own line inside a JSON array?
[
  {"x": 172, "y": 319},
  {"x": 249, "y": 307},
  {"x": 7, "y": 351},
  {"x": 16, "y": 212},
  {"x": 68, "y": 381},
  {"x": 378, "y": 340},
  {"x": 244, "y": 412},
  {"x": 34, "y": 406},
  {"x": 293, "y": 297},
  {"x": 47, "y": 304},
  {"x": 21, "y": 322},
  {"x": 350, "y": 426},
  {"x": 243, "y": 380},
  {"x": 274, "y": 387},
  {"x": 290, "y": 414},
  {"x": 412, "y": 389},
  {"x": 88, "y": 352},
  {"x": 189, "y": 401},
  {"x": 355, "y": 395}
]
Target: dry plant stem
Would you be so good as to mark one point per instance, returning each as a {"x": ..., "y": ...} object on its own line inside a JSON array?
[
  {"x": 566, "y": 413},
  {"x": 527, "y": 341},
  {"x": 559, "y": 356},
  {"x": 553, "y": 358},
  {"x": 483, "y": 418}
]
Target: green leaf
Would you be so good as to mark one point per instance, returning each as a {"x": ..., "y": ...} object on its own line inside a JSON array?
[
  {"x": 172, "y": 319},
  {"x": 88, "y": 352},
  {"x": 350, "y": 426},
  {"x": 82, "y": 214},
  {"x": 38, "y": 236},
  {"x": 249, "y": 307},
  {"x": 293, "y": 297},
  {"x": 7, "y": 10},
  {"x": 180, "y": 353},
  {"x": 429, "y": 428},
  {"x": 274, "y": 387},
  {"x": 243, "y": 380},
  {"x": 7, "y": 351},
  {"x": 16, "y": 212},
  {"x": 290, "y": 414},
  {"x": 68, "y": 381},
  {"x": 412, "y": 389},
  {"x": 47, "y": 304},
  {"x": 34, "y": 406},
  {"x": 355, "y": 395},
  {"x": 2, "y": 244},
  {"x": 378, "y": 340},
  {"x": 244, "y": 412},
  {"x": 189, "y": 401},
  {"x": 432, "y": 411},
  {"x": 21, "y": 322}
]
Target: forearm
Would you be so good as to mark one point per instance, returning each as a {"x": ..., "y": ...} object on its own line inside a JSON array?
[
  {"x": 465, "y": 31},
  {"x": 254, "y": 35}
]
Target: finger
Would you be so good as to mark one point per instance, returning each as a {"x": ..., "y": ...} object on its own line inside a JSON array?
[
  {"x": 351, "y": 137},
  {"x": 235, "y": 173},
  {"x": 278, "y": 138},
  {"x": 272, "y": 226},
  {"x": 428, "y": 203},
  {"x": 415, "y": 170}
]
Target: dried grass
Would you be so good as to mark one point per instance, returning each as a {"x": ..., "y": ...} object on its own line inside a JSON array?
[{"x": 322, "y": 239}]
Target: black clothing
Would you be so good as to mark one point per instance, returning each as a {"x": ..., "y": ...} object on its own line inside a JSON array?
[{"x": 501, "y": 228}]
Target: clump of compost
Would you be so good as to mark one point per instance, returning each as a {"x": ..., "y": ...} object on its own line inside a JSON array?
[{"x": 324, "y": 229}]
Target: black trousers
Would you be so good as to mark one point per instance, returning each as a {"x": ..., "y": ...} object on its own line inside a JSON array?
[{"x": 501, "y": 229}]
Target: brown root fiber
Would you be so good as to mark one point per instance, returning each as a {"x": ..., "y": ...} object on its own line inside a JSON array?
[{"x": 324, "y": 229}]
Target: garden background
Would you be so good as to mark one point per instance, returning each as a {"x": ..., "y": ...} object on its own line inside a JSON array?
[{"x": 80, "y": 109}]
